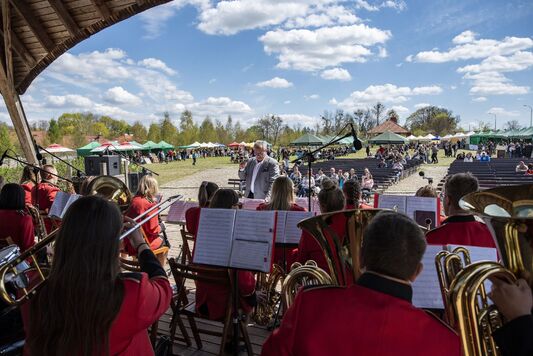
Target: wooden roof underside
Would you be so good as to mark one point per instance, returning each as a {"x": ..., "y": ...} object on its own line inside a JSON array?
[{"x": 42, "y": 30}]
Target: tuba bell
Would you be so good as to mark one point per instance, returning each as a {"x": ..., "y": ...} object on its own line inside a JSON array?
[
  {"x": 112, "y": 189},
  {"x": 508, "y": 213}
]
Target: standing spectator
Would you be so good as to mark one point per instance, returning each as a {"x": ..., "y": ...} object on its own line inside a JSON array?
[
  {"x": 367, "y": 180},
  {"x": 194, "y": 157},
  {"x": 434, "y": 154},
  {"x": 368, "y": 150},
  {"x": 352, "y": 174},
  {"x": 333, "y": 176}
]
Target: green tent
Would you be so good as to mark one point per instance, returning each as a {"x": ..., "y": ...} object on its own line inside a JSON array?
[
  {"x": 388, "y": 137},
  {"x": 86, "y": 150},
  {"x": 307, "y": 140},
  {"x": 165, "y": 146},
  {"x": 151, "y": 145}
]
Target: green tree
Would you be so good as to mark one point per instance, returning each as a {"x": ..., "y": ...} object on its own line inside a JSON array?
[
  {"x": 168, "y": 130},
  {"x": 139, "y": 132},
  {"x": 512, "y": 125},
  {"x": 207, "y": 131},
  {"x": 432, "y": 119},
  {"x": 99, "y": 128},
  {"x": 222, "y": 133},
  {"x": 154, "y": 133},
  {"x": 54, "y": 132},
  {"x": 230, "y": 130},
  {"x": 378, "y": 110},
  {"x": 393, "y": 115},
  {"x": 5, "y": 140},
  {"x": 116, "y": 127}
]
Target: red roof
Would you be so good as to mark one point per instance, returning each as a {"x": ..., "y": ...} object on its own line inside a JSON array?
[{"x": 389, "y": 125}]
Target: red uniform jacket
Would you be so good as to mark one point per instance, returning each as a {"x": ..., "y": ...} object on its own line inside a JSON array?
[
  {"x": 151, "y": 228},
  {"x": 28, "y": 186},
  {"x": 461, "y": 230},
  {"x": 361, "y": 206},
  {"x": 192, "y": 219},
  {"x": 212, "y": 299},
  {"x": 19, "y": 226},
  {"x": 371, "y": 318},
  {"x": 42, "y": 196},
  {"x": 145, "y": 300},
  {"x": 309, "y": 249},
  {"x": 291, "y": 254}
]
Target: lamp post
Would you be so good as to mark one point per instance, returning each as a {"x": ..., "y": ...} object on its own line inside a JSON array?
[
  {"x": 494, "y": 121},
  {"x": 530, "y": 114}
]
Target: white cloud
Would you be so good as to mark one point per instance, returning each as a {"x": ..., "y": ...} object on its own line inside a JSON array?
[
  {"x": 68, "y": 101},
  {"x": 362, "y": 4},
  {"x": 464, "y": 37},
  {"x": 480, "y": 99},
  {"x": 421, "y": 105},
  {"x": 299, "y": 119},
  {"x": 387, "y": 93},
  {"x": 287, "y": 102},
  {"x": 311, "y": 50},
  {"x": 312, "y": 97},
  {"x": 382, "y": 53},
  {"x": 155, "y": 63},
  {"x": 507, "y": 55},
  {"x": 219, "y": 106},
  {"x": 502, "y": 112},
  {"x": 400, "y": 110},
  {"x": 336, "y": 74},
  {"x": 397, "y": 5},
  {"x": 324, "y": 16},
  {"x": 118, "y": 95},
  {"x": 275, "y": 82}
]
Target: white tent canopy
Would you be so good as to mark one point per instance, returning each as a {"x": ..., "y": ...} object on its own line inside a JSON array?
[
  {"x": 56, "y": 148},
  {"x": 411, "y": 138},
  {"x": 430, "y": 137}
]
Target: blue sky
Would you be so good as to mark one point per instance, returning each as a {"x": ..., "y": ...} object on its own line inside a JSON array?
[{"x": 298, "y": 58}]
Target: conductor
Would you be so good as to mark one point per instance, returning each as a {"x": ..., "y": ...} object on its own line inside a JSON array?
[{"x": 259, "y": 172}]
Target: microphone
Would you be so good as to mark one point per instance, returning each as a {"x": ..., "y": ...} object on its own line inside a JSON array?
[
  {"x": 3, "y": 157},
  {"x": 356, "y": 143}
]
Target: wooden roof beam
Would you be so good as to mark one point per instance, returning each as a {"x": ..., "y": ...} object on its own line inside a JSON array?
[
  {"x": 102, "y": 8},
  {"x": 19, "y": 48},
  {"x": 35, "y": 25},
  {"x": 63, "y": 14}
]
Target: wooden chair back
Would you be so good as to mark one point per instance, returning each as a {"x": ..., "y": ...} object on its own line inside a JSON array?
[{"x": 186, "y": 253}]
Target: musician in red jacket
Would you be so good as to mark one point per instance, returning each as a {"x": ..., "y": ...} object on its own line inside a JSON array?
[
  {"x": 330, "y": 199},
  {"x": 282, "y": 198},
  {"x": 212, "y": 299},
  {"x": 88, "y": 307},
  {"x": 44, "y": 193},
  {"x": 28, "y": 181},
  {"x": 461, "y": 227},
  {"x": 352, "y": 194},
  {"x": 192, "y": 215},
  {"x": 14, "y": 222},
  {"x": 144, "y": 199},
  {"x": 374, "y": 316}
]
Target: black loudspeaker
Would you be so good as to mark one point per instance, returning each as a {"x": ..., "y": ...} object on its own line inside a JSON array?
[
  {"x": 92, "y": 165},
  {"x": 133, "y": 181}
]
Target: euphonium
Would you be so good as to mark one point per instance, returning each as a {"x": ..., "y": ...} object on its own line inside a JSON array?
[
  {"x": 508, "y": 212},
  {"x": 342, "y": 259},
  {"x": 112, "y": 189},
  {"x": 266, "y": 285}
]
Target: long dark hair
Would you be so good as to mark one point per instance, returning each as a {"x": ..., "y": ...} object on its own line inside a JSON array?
[
  {"x": 224, "y": 199},
  {"x": 205, "y": 193},
  {"x": 72, "y": 314},
  {"x": 12, "y": 197},
  {"x": 28, "y": 175}
]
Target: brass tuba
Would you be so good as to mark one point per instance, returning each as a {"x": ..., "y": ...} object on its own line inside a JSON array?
[
  {"x": 112, "y": 189},
  {"x": 342, "y": 258},
  {"x": 266, "y": 284},
  {"x": 508, "y": 213}
]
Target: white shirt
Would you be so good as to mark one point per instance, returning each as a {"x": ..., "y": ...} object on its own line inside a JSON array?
[{"x": 254, "y": 175}]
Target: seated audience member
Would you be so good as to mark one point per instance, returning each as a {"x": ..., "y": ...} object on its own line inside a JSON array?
[
  {"x": 330, "y": 199},
  {"x": 319, "y": 176},
  {"x": 460, "y": 156},
  {"x": 484, "y": 157},
  {"x": 468, "y": 158},
  {"x": 515, "y": 302},
  {"x": 378, "y": 307},
  {"x": 282, "y": 199},
  {"x": 529, "y": 171},
  {"x": 333, "y": 176},
  {"x": 211, "y": 299},
  {"x": 367, "y": 180},
  {"x": 521, "y": 167},
  {"x": 429, "y": 191},
  {"x": 352, "y": 174},
  {"x": 112, "y": 310},
  {"x": 296, "y": 175},
  {"x": 352, "y": 194},
  {"x": 15, "y": 224},
  {"x": 44, "y": 193},
  {"x": 27, "y": 182},
  {"x": 144, "y": 199},
  {"x": 460, "y": 227},
  {"x": 192, "y": 215}
]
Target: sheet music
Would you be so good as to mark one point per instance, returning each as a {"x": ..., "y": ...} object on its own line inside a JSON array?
[
  {"x": 280, "y": 226},
  {"x": 214, "y": 237},
  {"x": 251, "y": 255},
  {"x": 251, "y": 204},
  {"x": 421, "y": 204},
  {"x": 426, "y": 288},
  {"x": 60, "y": 201},
  {"x": 292, "y": 231},
  {"x": 394, "y": 202},
  {"x": 72, "y": 198},
  {"x": 176, "y": 212},
  {"x": 304, "y": 203},
  {"x": 253, "y": 230}
]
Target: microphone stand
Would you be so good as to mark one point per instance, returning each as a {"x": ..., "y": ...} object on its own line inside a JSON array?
[
  {"x": 79, "y": 172},
  {"x": 310, "y": 156},
  {"x": 36, "y": 168}
]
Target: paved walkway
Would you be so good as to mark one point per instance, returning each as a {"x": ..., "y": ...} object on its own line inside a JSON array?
[{"x": 411, "y": 184}]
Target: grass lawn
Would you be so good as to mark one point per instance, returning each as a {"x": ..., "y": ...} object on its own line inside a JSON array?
[{"x": 178, "y": 169}]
